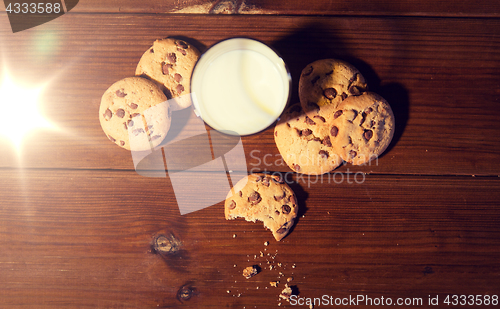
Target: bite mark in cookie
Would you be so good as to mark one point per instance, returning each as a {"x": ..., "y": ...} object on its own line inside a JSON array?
[{"x": 266, "y": 198}]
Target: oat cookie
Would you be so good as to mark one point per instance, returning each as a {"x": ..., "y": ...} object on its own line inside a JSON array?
[
  {"x": 304, "y": 142},
  {"x": 362, "y": 128},
  {"x": 266, "y": 198},
  {"x": 329, "y": 81},
  {"x": 125, "y": 108},
  {"x": 170, "y": 62}
]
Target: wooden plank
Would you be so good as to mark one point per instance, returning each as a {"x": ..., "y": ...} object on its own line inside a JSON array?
[
  {"x": 446, "y": 102},
  {"x": 83, "y": 239},
  {"x": 483, "y": 8}
]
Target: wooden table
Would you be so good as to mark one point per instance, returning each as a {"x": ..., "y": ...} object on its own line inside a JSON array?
[{"x": 80, "y": 228}]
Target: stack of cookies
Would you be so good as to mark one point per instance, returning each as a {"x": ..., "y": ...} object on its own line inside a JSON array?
[
  {"x": 135, "y": 112},
  {"x": 338, "y": 120}
]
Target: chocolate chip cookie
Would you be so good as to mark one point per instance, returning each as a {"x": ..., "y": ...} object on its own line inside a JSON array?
[
  {"x": 266, "y": 198},
  {"x": 170, "y": 62},
  {"x": 304, "y": 142},
  {"x": 329, "y": 81},
  {"x": 362, "y": 128},
  {"x": 135, "y": 114}
]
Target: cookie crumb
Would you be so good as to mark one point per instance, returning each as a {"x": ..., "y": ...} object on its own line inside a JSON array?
[
  {"x": 250, "y": 271},
  {"x": 234, "y": 235},
  {"x": 266, "y": 243},
  {"x": 274, "y": 283},
  {"x": 286, "y": 293},
  {"x": 289, "y": 279}
]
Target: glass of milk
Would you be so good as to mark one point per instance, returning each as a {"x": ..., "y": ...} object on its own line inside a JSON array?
[{"x": 240, "y": 86}]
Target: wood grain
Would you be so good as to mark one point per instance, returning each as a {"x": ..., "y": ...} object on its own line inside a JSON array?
[
  {"x": 442, "y": 84},
  {"x": 84, "y": 237},
  {"x": 482, "y": 8}
]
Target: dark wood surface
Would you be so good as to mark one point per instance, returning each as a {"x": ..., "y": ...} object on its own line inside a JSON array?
[{"x": 78, "y": 224}]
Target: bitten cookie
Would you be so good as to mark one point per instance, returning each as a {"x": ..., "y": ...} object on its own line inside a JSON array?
[
  {"x": 304, "y": 142},
  {"x": 362, "y": 128},
  {"x": 170, "y": 62},
  {"x": 329, "y": 81},
  {"x": 125, "y": 108},
  {"x": 266, "y": 198}
]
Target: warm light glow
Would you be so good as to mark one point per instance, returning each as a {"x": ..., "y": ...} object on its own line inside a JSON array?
[{"x": 20, "y": 109}]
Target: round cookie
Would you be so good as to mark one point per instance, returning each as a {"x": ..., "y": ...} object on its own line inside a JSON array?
[
  {"x": 362, "y": 128},
  {"x": 265, "y": 198},
  {"x": 329, "y": 81},
  {"x": 170, "y": 62},
  {"x": 125, "y": 108},
  {"x": 304, "y": 142}
]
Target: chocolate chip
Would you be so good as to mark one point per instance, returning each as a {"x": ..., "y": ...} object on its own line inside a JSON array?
[
  {"x": 120, "y": 113},
  {"x": 138, "y": 131},
  {"x": 368, "y": 134},
  {"x": 165, "y": 67},
  {"x": 320, "y": 118},
  {"x": 334, "y": 131},
  {"x": 259, "y": 178},
  {"x": 363, "y": 118},
  {"x": 265, "y": 182},
  {"x": 354, "y": 90},
  {"x": 108, "y": 114},
  {"x": 179, "y": 88},
  {"x": 282, "y": 230},
  {"x": 330, "y": 93},
  {"x": 122, "y": 143},
  {"x": 354, "y": 77},
  {"x": 369, "y": 110},
  {"x": 344, "y": 96},
  {"x": 232, "y": 204},
  {"x": 286, "y": 209},
  {"x": 130, "y": 123},
  {"x": 353, "y": 153},
  {"x": 327, "y": 142},
  {"x": 181, "y": 44},
  {"x": 240, "y": 194},
  {"x": 254, "y": 198},
  {"x": 111, "y": 138},
  {"x": 355, "y": 112},
  {"x": 338, "y": 114},
  {"x": 314, "y": 80},
  {"x": 306, "y": 132},
  {"x": 135, "y": 115},
  {"x": 307, "y": 71},
  {"x": 120, "y": 93},
  {"x": 182, "y": 51},
  {"x": 172, "y": 57},
  {"x": 155, "y": 137},
  {"x": 278, "y": 179},
  {"x": 133, "y": 106},
  {"x": 296, "y": 167},
  {"x": 151, "y": 51},
  {"x": 309, "y": 121},
  {"x": 323, "y": 154},
  {"x": 178, "y": 77},
  {"x": 125, "y": 126}
]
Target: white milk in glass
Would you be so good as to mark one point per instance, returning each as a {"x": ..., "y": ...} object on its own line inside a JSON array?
[{"x": 242, "y": 88}]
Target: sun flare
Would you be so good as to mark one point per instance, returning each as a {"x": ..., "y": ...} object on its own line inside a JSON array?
[{"x": 21, "y": 110}]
